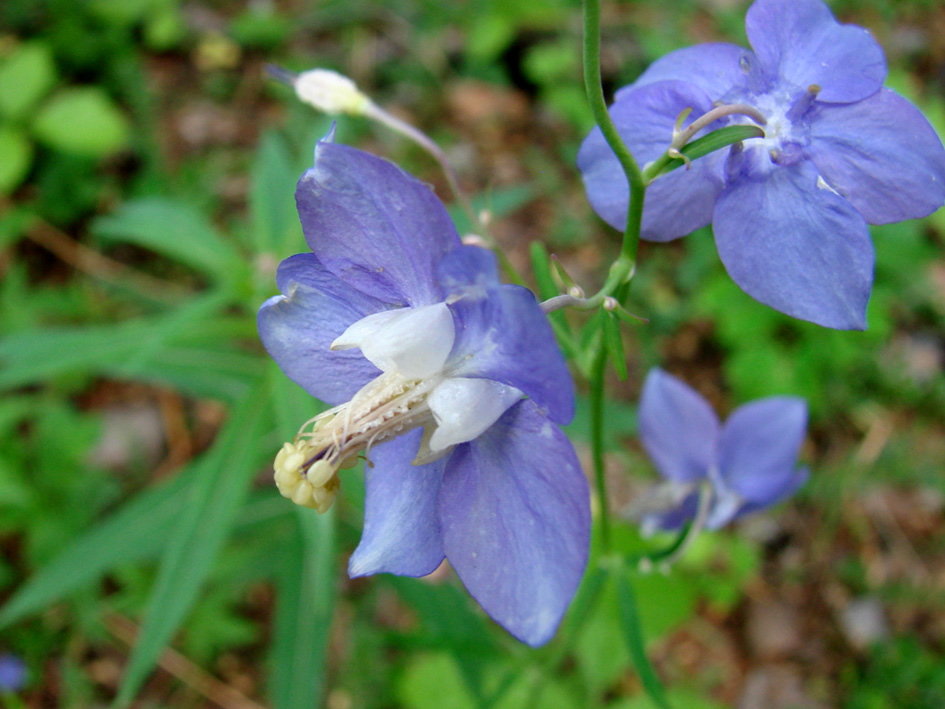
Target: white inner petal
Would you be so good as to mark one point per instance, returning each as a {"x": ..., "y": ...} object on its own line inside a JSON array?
[
  {"x": 365, "y": 327},
  {"x": 414, "y": 342},
  {"x": 464, "y": 408}
]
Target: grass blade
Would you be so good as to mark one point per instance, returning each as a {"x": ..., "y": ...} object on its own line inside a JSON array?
[
  {"x": 633, "y": 635},
  {"x": 219, "y": 489}
]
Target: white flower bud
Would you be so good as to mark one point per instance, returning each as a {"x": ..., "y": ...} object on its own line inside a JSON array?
[{"x": 330, "y": 92}]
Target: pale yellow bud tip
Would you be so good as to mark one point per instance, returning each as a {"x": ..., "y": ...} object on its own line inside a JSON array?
[{"x": 330, "y": 92}]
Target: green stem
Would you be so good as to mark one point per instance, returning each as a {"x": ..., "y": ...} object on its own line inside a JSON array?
[
  {"x": 595, "y": 97},
  {"x": 597, "y": 443}
]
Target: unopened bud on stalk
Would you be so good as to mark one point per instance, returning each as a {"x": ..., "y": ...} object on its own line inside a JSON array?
[{"x": 326, "y": 90}]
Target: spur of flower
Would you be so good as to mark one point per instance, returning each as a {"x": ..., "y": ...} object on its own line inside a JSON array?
[
  {"x": 448, "y": 383},
  {"x": 716, "y": 472},
  {"x": 789, "y": 210}
]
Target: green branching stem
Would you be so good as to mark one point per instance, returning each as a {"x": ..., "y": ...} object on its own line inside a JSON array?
[{"x": 595, "y": 96}]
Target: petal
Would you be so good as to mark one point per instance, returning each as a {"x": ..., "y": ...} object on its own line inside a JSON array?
[
  {"x": 677, "y": 427},
  {"x": 373, "y": 225},
  {"x": 515, "y": 517},
  {"x": 789, "y": 485},
  {"x": 507, "y": 338},
  {"x": 464, "y": 408},
  {"x": 401, "y": 534},
  {"x": 677, "y": 203},
  {"x": 791, "y": 242},
  {"x": 882, "y": 155},
  {"x": 412, "y": 341},
  {"x": 800, "y": 42},
  {"x": 759, "y": 447},
  {"x": 468, "y": 269},
  {"x": 716, "y": 68},
  {"x": 298, "y": 328}
]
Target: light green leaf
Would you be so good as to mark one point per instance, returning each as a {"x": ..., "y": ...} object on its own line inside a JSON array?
[
  {"x": 17, "y": 152},
  {"x": 83, "y": 121},
  {"x": 716, "y": 140},
  {"x": 174, "y": 229},
  {"x": 203, "y": 524},
  {"x": 25, "y": 77},
  {"x": 433, "y": 681}
]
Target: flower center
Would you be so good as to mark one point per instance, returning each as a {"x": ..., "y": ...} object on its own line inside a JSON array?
[{"x": 306, "y": 469}]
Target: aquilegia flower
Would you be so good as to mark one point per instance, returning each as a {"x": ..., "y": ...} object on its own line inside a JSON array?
[
  {"x": 449, "y": 384},
  {"x": 790, "y": 210},
  {"x": 746, "y": 464}
]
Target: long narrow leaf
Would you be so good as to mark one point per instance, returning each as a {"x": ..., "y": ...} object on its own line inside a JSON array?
[
  {"x": 275, "y": 223},
  {"x": 307, "y": 588},
  {"x": 205, "y": 521},
  {"x": 173, "y": 229},
  {"x": 633, "y": 635}
]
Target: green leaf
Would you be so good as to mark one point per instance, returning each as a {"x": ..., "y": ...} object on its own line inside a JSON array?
[
  {"x": 633, "y": 636},
  {"x": 203, "y": 524},
  {"x": 173, "y": 229},
  {"x": 25, "y": 77},
  {"x": 136, "y": 531},
  {"x": 304, "y": 608},
  {"x": 307, "y": 587},
  {"x": 433, "y": 681},
  {"x": 17, "y": 152},
  {"x": 276, "y": 229},
  {"x": 83, "y": 121},
  {"x": 716, "y": 140}
]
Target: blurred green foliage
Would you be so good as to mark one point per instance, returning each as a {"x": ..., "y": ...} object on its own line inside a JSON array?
[{"x": 211, "y": 559}]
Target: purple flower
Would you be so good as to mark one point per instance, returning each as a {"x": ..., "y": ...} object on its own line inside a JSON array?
[
  {"x": 449, "y": 383},
  {"x": 748, "y": 463},
  {"x": 12, "y": 673},
  {"x": 790, "y": 210}
]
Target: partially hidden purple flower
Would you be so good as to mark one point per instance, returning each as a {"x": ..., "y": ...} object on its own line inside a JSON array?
[
  {"x": 746, "y": 464},
  {"x": 790, "y": 210},
  {"x": 12, "y": 673},
  {"x": 448, "y": 382}
]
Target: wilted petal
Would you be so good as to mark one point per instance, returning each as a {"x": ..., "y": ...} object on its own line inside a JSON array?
[
  {"x": 677, "y": 203},
  {"x": 515, "y": 518},
  {"x": 507, "y": 338},
  {"x": 882, "y": 155},
  {"x": 298, "y": 328},
  {"x": 677, "y": 427},
  {"x": 716, "y": 68},
  {"x": 373, "y": 225},
  {"x": 759, "y": 447},
  {"x": 800, "y": 42},
  {"x": 792, "y": 243},
  {"x": 401, "y": 534},
  {"x": 465, "y": 408}
]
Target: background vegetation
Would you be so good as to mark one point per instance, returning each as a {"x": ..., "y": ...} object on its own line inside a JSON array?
[{"x": 146, "y": 176}]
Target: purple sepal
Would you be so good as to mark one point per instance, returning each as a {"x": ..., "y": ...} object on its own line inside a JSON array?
[
  {"x": 507, "y": 338},
  {"x": 800, "y": 42},
  {"x": 882, "y": 155},
  {"x": 677, "y": 427},
  {"x": 515, "y": 519},
  {"x": 676, "y": 203},
  {"x": 374, "y": 226},
  {"x": 401, "y": 533},
  {"x": 791, "y": 242},
  {"x": 298, "y": 327}
]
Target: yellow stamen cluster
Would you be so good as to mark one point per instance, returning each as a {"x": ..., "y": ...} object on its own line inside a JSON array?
[
  {"x": 315, "y": 487},
  {"x": 307, "y": 468}
]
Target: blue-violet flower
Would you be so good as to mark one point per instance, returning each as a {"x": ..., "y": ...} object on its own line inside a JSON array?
[
  {"x": 449, "y": 383},
  {"x": 790, "y": 210},
  {"x": 746, "y": 464}
]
